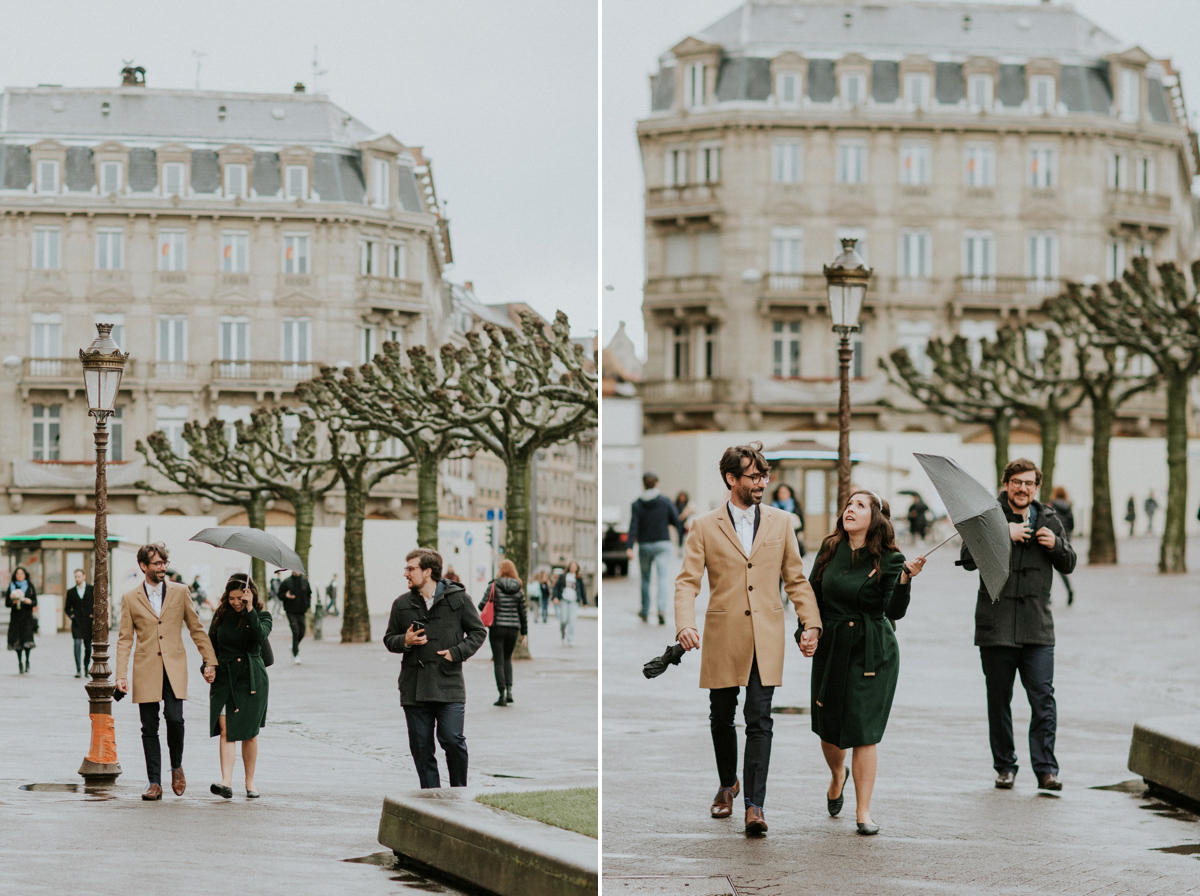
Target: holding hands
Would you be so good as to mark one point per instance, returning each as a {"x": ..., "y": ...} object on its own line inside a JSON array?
[{"x": 808, "y": 641}]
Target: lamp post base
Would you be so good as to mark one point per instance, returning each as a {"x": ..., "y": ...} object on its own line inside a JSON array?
[{"x": 99, "y": 774}]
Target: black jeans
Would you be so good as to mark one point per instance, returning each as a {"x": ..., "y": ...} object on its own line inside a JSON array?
[
  {"x": 503, "y": 641},
  {"x": 1036, "y": 665},
  {"x": 296, "y": 621},
  {"x": 84, "y": 644},
  {"x": 173, "y": 713},
  {"x": 448, "y": 720},
  {"x": 757, "y": 714}
]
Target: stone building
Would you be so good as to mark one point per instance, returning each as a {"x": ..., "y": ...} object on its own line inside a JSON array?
[{"x": 981, "y": 154}]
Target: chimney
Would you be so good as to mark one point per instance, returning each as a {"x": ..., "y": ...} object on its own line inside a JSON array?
[
  {"x": 133, "y": 76},
  {"x": 299, "y": 88}
]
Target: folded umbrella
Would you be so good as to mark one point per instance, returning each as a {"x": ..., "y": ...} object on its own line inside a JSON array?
[
  {"x": 254, "y": 543},
  {"x": 658, "y": 665},
  {"x": 977, "y": 517}
]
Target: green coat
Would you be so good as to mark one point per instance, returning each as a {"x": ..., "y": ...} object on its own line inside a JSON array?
[
  {"x": 240, "y": 689},
  {"x": 857, "y": 661}
]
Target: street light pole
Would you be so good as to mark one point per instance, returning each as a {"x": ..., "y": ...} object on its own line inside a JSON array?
[
  {"x": 103, "y": 363},
  {"x": 846, "y": 280}
]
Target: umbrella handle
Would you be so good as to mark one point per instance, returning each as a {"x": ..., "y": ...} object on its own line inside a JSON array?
[{"x": 940, "y": 543}]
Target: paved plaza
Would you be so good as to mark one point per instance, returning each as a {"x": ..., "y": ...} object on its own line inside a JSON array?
[
  {"x": 1126, "y": 651},
  {"x": 333, "y": 748}
]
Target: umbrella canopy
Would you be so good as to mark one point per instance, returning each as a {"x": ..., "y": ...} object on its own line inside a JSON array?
[
  {"x": 977, "y": 516},
  {"x": 658, "y": 665},
  {"x": 254, "y": 543}
]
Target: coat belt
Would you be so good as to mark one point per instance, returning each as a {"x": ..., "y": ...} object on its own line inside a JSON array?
[{"x": 837, "y": 627}]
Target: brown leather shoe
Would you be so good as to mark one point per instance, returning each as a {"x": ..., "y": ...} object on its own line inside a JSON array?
[
  {"x": 178, "y": 781},
  {"x": 722, "y": 806},
  {"x": 756, "y": 825},
  {"x": 153, "y": 792},
  {"x": 1004, "y": 780},
  {"x": 1049, "y": 781}
]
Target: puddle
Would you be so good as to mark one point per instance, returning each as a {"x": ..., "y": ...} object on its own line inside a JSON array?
[
  {"x": 91, "y": 795},
  {"x": 1136, "y": 787},
  {"x": 1187, "y": 849},
  {"x": 382, "y": 859}
]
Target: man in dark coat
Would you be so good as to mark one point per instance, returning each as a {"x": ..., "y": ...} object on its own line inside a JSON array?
[
  {"x": 649, "y": 518},
  {"x": 436, "y": 627},
  {"x": 80, "y": 607},
  {"x": 1016, "y": 632},
  {"x": 296, "y": 594}
]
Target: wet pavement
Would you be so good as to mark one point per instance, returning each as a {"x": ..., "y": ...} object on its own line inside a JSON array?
[
  {"x": 333, "y": 748},
  {"x": 1126, "y": 651}
]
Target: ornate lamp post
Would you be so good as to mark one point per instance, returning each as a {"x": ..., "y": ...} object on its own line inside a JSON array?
[
  {"x": 846, "y": 280},
  {"x": 103, "y": 363}
]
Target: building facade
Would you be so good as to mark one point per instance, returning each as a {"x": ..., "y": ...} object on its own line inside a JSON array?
[{"x": 982, "y": 155}]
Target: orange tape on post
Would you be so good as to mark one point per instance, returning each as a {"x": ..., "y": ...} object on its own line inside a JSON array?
[{"x": 104, "y": 739}]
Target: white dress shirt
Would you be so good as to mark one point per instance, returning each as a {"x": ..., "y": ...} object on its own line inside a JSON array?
[
  {"x": 743, "y": 523},
  {"x": 155, "y": 596}
]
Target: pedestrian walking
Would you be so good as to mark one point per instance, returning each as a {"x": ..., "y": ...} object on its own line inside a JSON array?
[
  {"x": 918, "y": 519},
  {"x": 862, "y": 584},
  {"x": 542, "y": 581},
  {"x": 274, "y": 600},
  {"x": 451, "y": 576},
  {"x": 153, "y": 616},
  {"x": 651, "y": 515},
  {"x": 1130, "y": 514},
  {"x": 785, "y": 499},
  {"x": 745, "y": 549},
  {"x": 1151, "y": 507},
  {"x": 80, "y": 607},
  {"x": 1062, "y": 506},
  {"x": 237, "y": 697},
  {"x": 436, "y": 627},
  {"x": 1015, "y": 633},
  {"x": 685, "y": 510},
  {"x": 331, "y": 593},
  {"x": 21, "y": 598},
  {"x": 569, "y": 594},
  {"x": 296, "y": 596},
  {"x": 509, "y": 624}
]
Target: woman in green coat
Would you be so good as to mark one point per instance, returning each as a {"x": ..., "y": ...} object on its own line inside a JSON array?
[
  {"x": 238, "y": 696},
  {"x": 861, "y": 581}
]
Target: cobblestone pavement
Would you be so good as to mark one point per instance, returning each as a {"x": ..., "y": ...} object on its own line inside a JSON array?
[
  {"x": 1126, "y": 651},
  {"x": 333, "y": 747}
]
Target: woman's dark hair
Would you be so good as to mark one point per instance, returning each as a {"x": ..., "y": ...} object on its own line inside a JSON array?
[
  {"x": 13, "y": 577},
  {"x": 881, "y": 537},
  {"x": 781, "y": 487},
  {"x": 239, "y": 581},
  {"x": 575, "y": 563}
]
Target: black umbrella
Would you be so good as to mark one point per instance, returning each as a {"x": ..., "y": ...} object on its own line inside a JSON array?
[
  {"x": 254, "y": 543},
  {"x": 658, "y": 665}
]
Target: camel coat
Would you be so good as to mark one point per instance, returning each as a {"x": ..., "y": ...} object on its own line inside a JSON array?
[
  {"x": 159, "y": 642},
  {"x": 744, "y": 617}
]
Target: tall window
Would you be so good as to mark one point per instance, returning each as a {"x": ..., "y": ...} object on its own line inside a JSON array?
[
  {"x": 976, "y": 332},
  {"x": 980, "y": 165},
  {"x": 235, "y": 252},
  {"x": 1114, "y": 260},
  {"x": 169, "y": 420},
  {"x": 397, "y": 254},
  {"x": 675, "y": 167},
  {"x": 116, "y": 435},
  {"x": 787, "y": 89},
  {"x": 172, "y": 346},
  {"x": 678, "y": 248},
  {"x": 708, "y": 252},
  {"x": 913, "y": 337},
  {"x": 1042, "y": 93},
  {"x": 916, "y": 254},
  {"x": 785, "y": 162},
  {"x": 110, "y": 249},
  {"x": 851, "y": 161},
  {"x": 296, "y": 348},
  {"x": 172, "y": 174},
  {"x": 979, "y": 260},
  {"x": 1143, "y": 174},
  {"x": 46, "y": 343},
  {"x": 1041, "y": 260},
  {"x": 47, "y": 176},
  {"x": 110, "y": 178},
  {"x": 787, "y": 258},
  {"x": 708, "y": 165},
  {"x": 1130, "y": 95},
  {"x": 368, "y": 258},
  {"x": 681, "y": 352},
  {"x": 295, "y": 253},
  {"x": 367, "y": 345},
  {"x": 1117, "y": 178},
  {"x": 854, "y": 89},
  {"x": 235, "y": 180},
  {"x": 916, "y": 90},
  {"x": 172, "y": 254},
  {"x": 231, "y": 415},
  {"x": 297, "y": 181},
  {"x": 46, "y": 255},
  {"x": 1042, "y": 164},
  {"x": 235, "y": 346},
  {"x": 914, "y": 162},
  {"x": 709, "y": 346},
  {"x": 786, "y": 348},
  {"x": 693, "y": 85},
  {"x": 979, "y": 91},
  {"x": 46, "y": 419},
  {"x": 381, "y": 185}
]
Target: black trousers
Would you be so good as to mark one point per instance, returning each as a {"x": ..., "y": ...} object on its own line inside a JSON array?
[
  {"x": 296, "y": 621},
  {"x": 722, "y": 704},
  {"x": 503, "y": 641},
  {"x": 173, "y": 713},
  {"x": 447, "y": 719},
  {"x": 84, "y": 645},
  {"x": 1036, "y": 665}
]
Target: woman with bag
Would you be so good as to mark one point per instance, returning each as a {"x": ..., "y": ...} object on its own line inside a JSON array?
[
  {"x": 569, "y": 593},
  {"x": 503, "y": 611},
  {"x": 237, "y": 701},
  {"x": 21, "y": 596}
]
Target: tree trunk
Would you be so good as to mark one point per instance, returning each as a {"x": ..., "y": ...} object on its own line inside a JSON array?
[
  {"x": 516, "y": 512},
  {"x": 1000, "y": 426},
  {"x": 256, "y": 518},
  {"x": 302, "y": 504},
  {"x": 427, "y": 500},
  {"x": 356, "y": 618},
  {"x": 1173, "y": 552},
  {"x": 1050, "y": 426},
  {"x": 1102, "y": 539}
]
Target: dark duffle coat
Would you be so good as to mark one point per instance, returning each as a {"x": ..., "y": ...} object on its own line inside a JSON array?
[
  {"x": 453, "y": 624},
  {"x": 239, "y": 692},
  {"x": 20, "y": 619},
  {"x": 857, "y": 662},
  {"x": 81, "y": 611}
]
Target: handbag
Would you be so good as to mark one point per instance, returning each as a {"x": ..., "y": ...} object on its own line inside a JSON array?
[
  {"x": 489, "y": 609},
  {"x": 268, "y": 655}
]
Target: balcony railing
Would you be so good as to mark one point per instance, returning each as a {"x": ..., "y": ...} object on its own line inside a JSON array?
[
  {"x": 685, "y": 392},
  {"x": 689, "y": 284},
  {"x": 1005, "y": 288},
  {"x": 261, "y": 372},
  {"x": 171, "y": 278},
  {"x": 686, "y": 195},
  {"x": 58, "y": 369},
  {"x": 1131, "y": 204},
  {"x": 785, "y": 285},
  {"x": 173, "y": 370},
  {"x": 391, "y": 291}
]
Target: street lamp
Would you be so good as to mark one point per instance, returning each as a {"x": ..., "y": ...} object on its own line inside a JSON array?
[
  {"x": 846, "y": 280},
  {"x": 103, "y": 363}
]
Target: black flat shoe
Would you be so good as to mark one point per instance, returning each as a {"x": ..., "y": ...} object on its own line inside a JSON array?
[
  {"x": 867, "y": 829},
  {"x": 222, "y": 791},
  {"x": 835, "y": 806},
  {"x": 252, "y": 794},
  {"x": 501, "y": 701}
]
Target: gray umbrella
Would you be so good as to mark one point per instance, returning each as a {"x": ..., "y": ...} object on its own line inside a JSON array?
[
  {"x": 977, "y": 517},
  {"x": 253, "y": 542}
]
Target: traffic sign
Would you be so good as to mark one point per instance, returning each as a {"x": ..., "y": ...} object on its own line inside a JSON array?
[{"x": 468, "y": 538}]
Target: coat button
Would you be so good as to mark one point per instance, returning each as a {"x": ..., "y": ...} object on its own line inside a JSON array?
[
  {"x": 160, "y": 653},
  {"x": 749, "y": 566},
  {"x": 751, "y": 588},
  {"x": 747, "y": 612}
]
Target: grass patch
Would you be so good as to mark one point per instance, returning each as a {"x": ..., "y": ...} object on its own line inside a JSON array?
[{"x": 575, "y": 809}]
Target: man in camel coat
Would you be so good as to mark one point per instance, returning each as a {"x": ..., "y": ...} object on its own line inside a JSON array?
[
  {"x": 746, "y": 549},
  {"x": 156, "y": 611}
]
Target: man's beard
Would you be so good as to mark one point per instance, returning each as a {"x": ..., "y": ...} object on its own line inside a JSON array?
[{"x": 746, "y": 496}]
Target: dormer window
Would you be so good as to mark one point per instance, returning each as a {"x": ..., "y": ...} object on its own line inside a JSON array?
[
  {"x": 979, "y": 91},
  {"x": 1130, "y": 95},
  {"x": 172, "y": 174},
  {"x": 694, "y": 78},
  {"x": 787, "y": 89},
  {"x": 235, "y": 180},
  {"x": 380, "y": 183},
  {"x": 110, "y": 178},
  {"x": 675, "y": 167},
  {"x": 47, "y": 176},
  {"x": 1042, "y": 93},
  {"x": 297, "y": 181},
  {"x": 917, "y": 90},
  {"x": 854, "y": 89}
]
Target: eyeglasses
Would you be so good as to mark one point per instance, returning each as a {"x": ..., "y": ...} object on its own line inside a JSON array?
[
  {"x": 758, "y": 478},
  {"x": 1023, "y": 483}
]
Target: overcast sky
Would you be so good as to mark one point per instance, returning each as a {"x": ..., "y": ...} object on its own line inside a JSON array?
[
  {"x": 502, "y": 96},
  {"x": 637, "y": 32}
]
